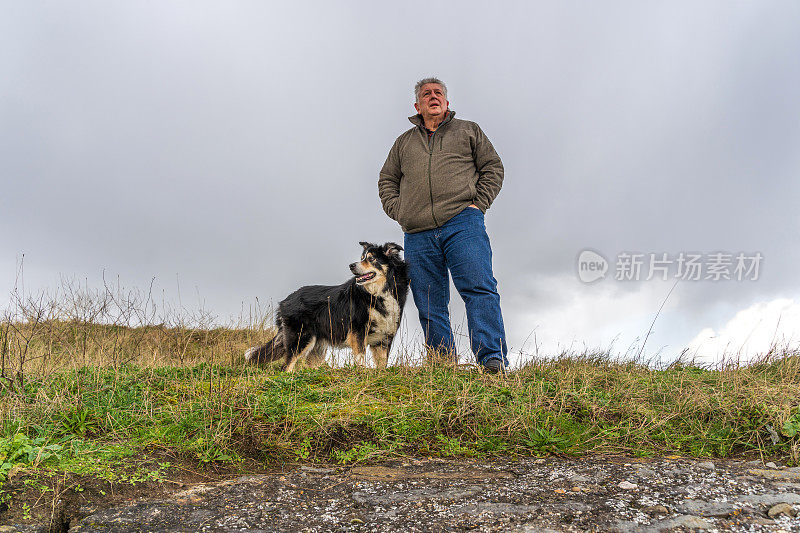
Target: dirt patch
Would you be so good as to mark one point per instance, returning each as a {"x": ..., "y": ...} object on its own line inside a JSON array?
[
  {"x": 387, "y": 473},
  {"x": 554, "y": 494},
  {"x": 50, "y": 501}
]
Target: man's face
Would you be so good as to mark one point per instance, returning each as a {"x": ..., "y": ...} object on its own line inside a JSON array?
[{"x": 432, "y": 102}]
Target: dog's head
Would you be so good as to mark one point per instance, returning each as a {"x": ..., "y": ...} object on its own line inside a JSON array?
[{"x": 376, "y": 262}]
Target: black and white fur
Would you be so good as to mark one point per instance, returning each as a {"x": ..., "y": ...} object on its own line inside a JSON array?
[{"x": 363, "y": 311}]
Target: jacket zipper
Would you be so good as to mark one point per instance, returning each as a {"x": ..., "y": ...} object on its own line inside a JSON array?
[{"x": 430, "y": 163}]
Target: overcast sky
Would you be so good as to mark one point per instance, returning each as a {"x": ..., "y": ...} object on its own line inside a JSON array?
[{"x": 233, "y": 148}]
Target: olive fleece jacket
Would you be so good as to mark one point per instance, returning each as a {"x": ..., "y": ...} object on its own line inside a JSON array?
[{"x": 428, "y": 179}]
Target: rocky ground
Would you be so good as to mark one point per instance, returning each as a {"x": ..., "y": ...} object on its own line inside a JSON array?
[{"x": 553, "y": 494}]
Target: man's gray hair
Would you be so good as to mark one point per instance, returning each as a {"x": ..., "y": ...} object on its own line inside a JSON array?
[{"x": 420, "y": 83}]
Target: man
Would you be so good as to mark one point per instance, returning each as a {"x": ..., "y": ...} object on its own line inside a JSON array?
[{"x": 438, "y": 181}]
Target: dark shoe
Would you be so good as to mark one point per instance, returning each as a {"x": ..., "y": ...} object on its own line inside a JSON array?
[{"x": 494, "y": 366}]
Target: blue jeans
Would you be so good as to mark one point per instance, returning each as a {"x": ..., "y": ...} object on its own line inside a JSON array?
[{"x": 462, "y": 246}]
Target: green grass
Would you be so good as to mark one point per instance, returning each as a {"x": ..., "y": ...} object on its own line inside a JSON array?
[
  {"x": 86, "y": 420},
  {"x": 91, "y": 382}
]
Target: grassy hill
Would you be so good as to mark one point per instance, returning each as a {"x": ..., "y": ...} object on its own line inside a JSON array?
[
  {"x": 86, "y": 386},
  {"x": 96, "y": 395}
]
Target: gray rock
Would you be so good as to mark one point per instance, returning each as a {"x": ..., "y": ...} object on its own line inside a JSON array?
[
  {"x": 477, "y": 509},
  {"x": 571, "y": 506},
  {"x": 601, "y": 475},
  {"x": 645, "y": 472},
  {"x": 702, "y": 508},
  {"x": 771, "y": 498},
  {"x": 19, "y": 528},
  {"x": 707, "y": 465},
  {"x": 687, "y": 521},
  {"x": 781, "y": 509},
  {"x": 627, "y": 485},
  {"x": 200, "y": 516},
  {"x": 626, "y": 527},
  {"x": 578, "y": 478},
  {"x": 787, "y": 475},
  {"x": 771, "y": 465},
  {"x": 690, "y": 522},
  {"x": 416, "y": 495}
]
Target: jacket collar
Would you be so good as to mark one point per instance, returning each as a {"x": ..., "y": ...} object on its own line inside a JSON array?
[{"x": 419, "y": 122}]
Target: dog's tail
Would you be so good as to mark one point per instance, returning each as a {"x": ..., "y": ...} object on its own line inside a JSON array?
[{"x": 266, "y": 353}]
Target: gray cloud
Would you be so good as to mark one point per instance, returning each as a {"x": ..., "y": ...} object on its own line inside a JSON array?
[{"x": 237, "y": 145}]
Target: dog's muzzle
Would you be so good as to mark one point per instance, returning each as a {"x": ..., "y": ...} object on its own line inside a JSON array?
[{"x": 361, "y": 277}]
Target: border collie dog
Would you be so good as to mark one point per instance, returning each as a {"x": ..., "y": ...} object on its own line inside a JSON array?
[{"x": 363, "y": 311}]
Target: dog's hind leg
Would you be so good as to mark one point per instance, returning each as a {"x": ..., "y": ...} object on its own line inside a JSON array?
[
  {"x": 294, "y": 356},
  {"x": 317, "y": 355}
]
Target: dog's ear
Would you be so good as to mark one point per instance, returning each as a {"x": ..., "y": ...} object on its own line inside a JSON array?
[
  {"x": 392, "y": 249},
  {"x": 366, "y": 244}
]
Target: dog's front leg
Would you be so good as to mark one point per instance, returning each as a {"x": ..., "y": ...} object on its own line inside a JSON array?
[
  {"x": 356, "y": 344},
  {"x": 380, "y": 355}
]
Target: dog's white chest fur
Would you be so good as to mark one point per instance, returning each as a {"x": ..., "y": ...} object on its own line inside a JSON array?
[{"x": 383, "y": 325}]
